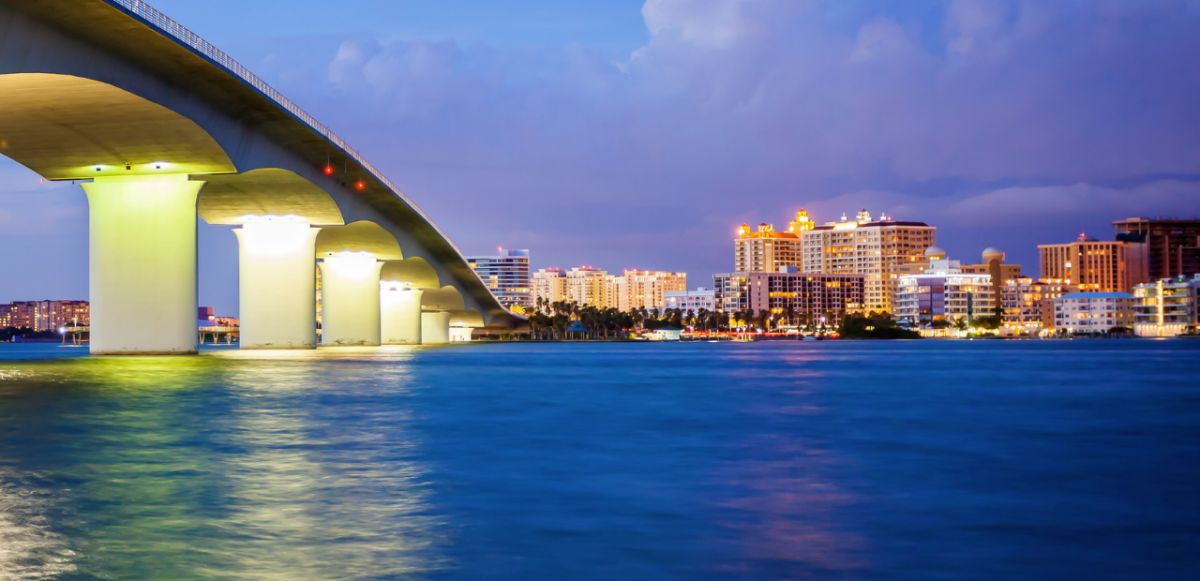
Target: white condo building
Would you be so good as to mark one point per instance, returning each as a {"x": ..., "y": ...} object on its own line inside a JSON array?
[
  {"x": 1093, "y": 312},
  {"x": 693, "y": 300},
  {"x": 943, "y": 292}
]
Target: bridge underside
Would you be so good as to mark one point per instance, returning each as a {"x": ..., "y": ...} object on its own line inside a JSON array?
[{"x": 162, "y": 135}]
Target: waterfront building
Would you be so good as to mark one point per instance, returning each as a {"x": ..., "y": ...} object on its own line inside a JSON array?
[
  {"x": 506, "y": 274},
  {"x": 587, "y": 287},
  {"x": 1166, "y": 307},
  {"x": 45, "y": 315},
  {"x": 1029, "y": 304},
  {"x": 635, "y": 289},
  {"x": 766, "y": 250},
  {"x": 1096, "y": 266},
  {"x": 693, "y": 300},
  {"x": 881, "y": 250},
  {"x": 1093, "y": 312},
  {"x": 943, "y": 293},
  {"x": 549, "y": 284},
  {"x": 993, "y": 264},
  {"x": 1173, "y": 246},
  {"x": 808, "y": 295}
]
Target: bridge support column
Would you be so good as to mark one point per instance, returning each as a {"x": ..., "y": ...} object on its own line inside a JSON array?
[
  {"x": 435, "y": 327},
  {"x": 350, "y": 299},
  {"x": 142, "y": 256},
  {"x": 400, "y": 313},
  {"x": 277, "y": 284}
]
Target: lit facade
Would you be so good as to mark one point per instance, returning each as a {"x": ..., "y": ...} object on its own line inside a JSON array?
[
  {"x": 809, "y": 295},
  {"x": 944, "y": 293},
  {"x": 693, "y": 300},
  {"x": 993, "y": 264},
  {"x": 766, "y": 250},
  {"x": 45, "y": 315},
  {"x": 1166, "y": 307},
  {"x": 1093, "y": 312},
  {"x": 881, "y": 250},
  {"x": 1096, "y": 266},
  {"x": 506, "y": 275},
  {"x": 1029, "y": 304},
  {"x": 1173, "y": 246},
  {"x": 548, "y": 284},
  {"x": 587, "y": 287},
  {"x": 637, "y": 289}
]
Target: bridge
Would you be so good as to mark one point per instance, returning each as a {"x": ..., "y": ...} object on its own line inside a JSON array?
[{"x": 160, "y": 127}]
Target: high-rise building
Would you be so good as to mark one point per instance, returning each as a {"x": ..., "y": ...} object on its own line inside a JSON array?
[
  {"x": 993, "y": 265},
  {"x": 943, "y": 293},
  {"x": 766, "y": 250},
  {"x": 587, "y": 287},
  {"x": 693, "y": 300},
  {"x": 1093, "y": 312},
  {"x": 881, "y": 250},
  {"x": 548, "y": 284},
  {"x": 45, "y": 315},
  {"x": 635, "y": 289},
  {"x": 1173, "y": 246},
  {"x": 1029, "y": 304},
  {"x": 1094, "y": 265},
  {"x": 506, "y": 275},
  {"x": 1166, "y": 307},
  {"x": 810, "y": 296}
]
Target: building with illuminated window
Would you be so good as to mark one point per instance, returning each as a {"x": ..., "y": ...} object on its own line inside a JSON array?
[
  {"x": 766, "y": 250},
  {"x": 809, "y": 296},
  {"x": 548, "y": 284},
  {"x": 693, "y": 300},
  {"x": 506, "y": 275},
  {"x": 1029, "y": 304},
  {"x": 587, "y": 287},
  {"x": 881, "y": 250},
  {"x": 1096, "y": 266},
  {"x": 45, "y": 315},
  {"x": 1093, "y": 312},
  {"x": 1172, "y": 246},
  {"x": 943, "y": 293},
  {"x": 1166, "y": 307},
  {"x": 636, "y": 289},
  {"x": 993, "y": 265}
]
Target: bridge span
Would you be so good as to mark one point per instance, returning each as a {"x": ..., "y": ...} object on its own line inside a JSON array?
[{"x": 161, "y": 126}]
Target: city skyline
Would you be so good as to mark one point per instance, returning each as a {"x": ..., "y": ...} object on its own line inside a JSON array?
[{"x": 655, "y": 129}]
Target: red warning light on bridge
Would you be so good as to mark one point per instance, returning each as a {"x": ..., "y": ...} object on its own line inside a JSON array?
[
  {"x": 361, "y": 185},
  {"x": 328, "y": 170}
]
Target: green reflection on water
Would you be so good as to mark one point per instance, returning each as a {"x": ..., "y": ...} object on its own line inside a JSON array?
[{"x": 219, "y": 466}]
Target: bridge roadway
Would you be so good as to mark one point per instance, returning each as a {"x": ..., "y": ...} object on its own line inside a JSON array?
[{"x": 160, "y": 126}]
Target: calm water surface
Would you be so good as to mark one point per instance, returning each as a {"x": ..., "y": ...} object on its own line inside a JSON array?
[{"x": 832, "y": 460}]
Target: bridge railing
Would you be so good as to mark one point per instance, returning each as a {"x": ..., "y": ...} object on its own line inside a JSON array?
[{"x": 191, "y": 39}]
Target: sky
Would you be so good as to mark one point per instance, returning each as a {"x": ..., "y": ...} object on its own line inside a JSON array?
[{"x": 640, "y": 134}]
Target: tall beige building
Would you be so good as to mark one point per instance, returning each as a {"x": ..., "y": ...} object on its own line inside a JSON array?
[
  {"x": 643, "y": 289},
  {"x": 1096, "y": 266},
  {"x": 586, "y": 286},
  {"x": 765, "y": 250},
  {"x": 881, "y": 250},
  {"x": 548, "y": 284}
]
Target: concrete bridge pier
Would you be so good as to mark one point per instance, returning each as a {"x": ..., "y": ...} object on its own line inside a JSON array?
[
  {"x": 350, "y": 299},
  {"x": 277, "y": 283},
  {"x": 400, "y": 313},
  {"x": 142, "y": 256},
  {"x": 435, "y": 327}
]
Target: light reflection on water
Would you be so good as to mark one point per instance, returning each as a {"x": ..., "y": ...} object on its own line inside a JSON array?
[{"x": 912, "y": 460}]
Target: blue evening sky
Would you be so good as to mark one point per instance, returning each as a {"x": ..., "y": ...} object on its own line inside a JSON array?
[{"x": 639, "y": 134}]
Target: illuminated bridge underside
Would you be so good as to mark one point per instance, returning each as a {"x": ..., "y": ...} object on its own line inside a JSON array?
[{"x": 112, "y": 91}]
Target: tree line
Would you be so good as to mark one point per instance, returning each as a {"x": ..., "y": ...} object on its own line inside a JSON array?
[{"x": 552, "y": 319}]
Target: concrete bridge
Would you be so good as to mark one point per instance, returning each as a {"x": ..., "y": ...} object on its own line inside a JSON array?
[{"x": 160, "y": 127}]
